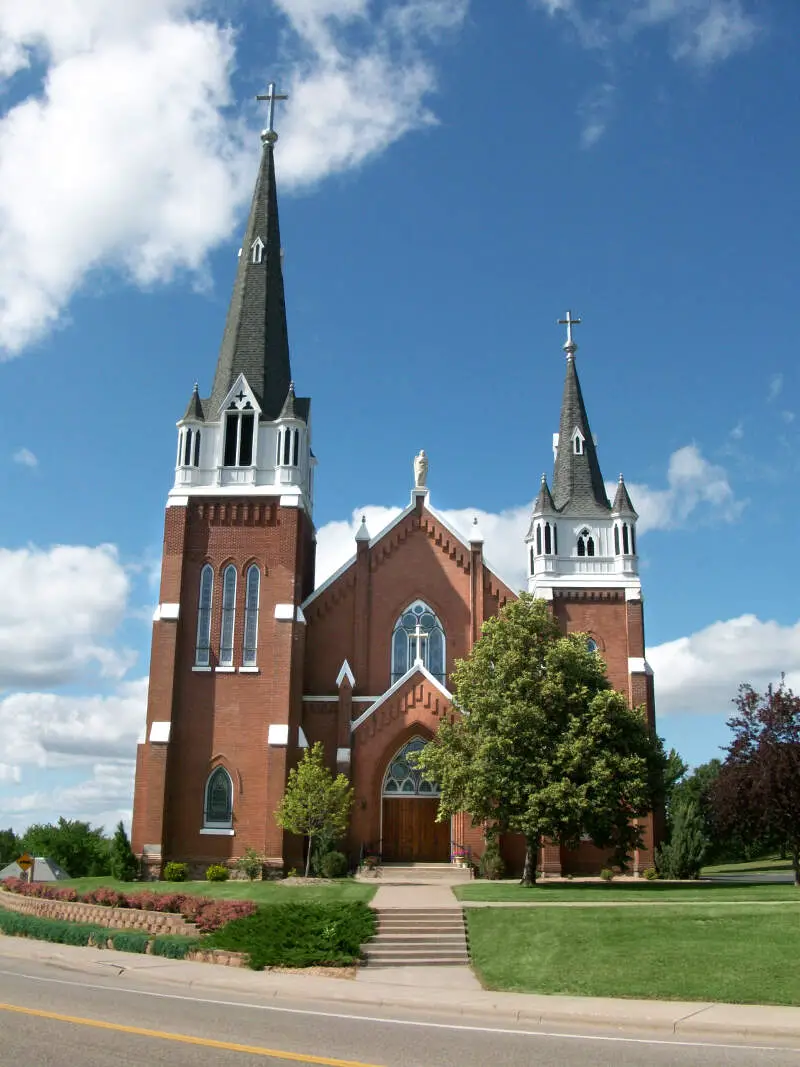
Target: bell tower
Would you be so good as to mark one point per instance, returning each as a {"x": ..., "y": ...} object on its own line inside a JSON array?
[
  {"x": 224, "y": 700},
  {"x": 581, "y": 557}
]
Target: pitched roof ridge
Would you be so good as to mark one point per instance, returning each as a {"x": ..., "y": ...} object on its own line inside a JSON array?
[{"x": 415, "y": 668}]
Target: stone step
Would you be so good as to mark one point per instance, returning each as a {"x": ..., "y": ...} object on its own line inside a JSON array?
[
  {"x": 421, "y": 931},
  {"x": 422, "y": 959},
  {"x": 456, "y": 938}
]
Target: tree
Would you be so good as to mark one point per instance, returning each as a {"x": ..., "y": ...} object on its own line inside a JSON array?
[
  {"x": 76, "y": 846},
  {"x": 683, "y": 855},
  {"x": 544, "y": 746},
  {"x": 9, "y": 847},
  {"x": 314, "y": 802},
  {"x": 123, "y": 863},
  {"x": 674, "y": 773},
  {"x": 757, "y": 793}
]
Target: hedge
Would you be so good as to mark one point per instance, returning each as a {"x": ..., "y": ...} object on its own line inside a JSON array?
[{"x": 63, "y": 932}]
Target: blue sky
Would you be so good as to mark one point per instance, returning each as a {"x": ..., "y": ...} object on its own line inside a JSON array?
[{"x": 452, "y": 180}]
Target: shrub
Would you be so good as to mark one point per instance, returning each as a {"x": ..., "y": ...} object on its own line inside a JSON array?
[
  {"x": 334, "y": 865},
  {"x": 176, "y": 872},
  {"x": 491, "y": 864},
  {"x": 217, "y": 873},
  {"x": 107, "y": 898},
  {"x": 174, "y": 947},
  {"x": 124, "y": 865},
  {"x": 299, "y": 935},
  {"x": 250, "y": 864},
  {"x": 130, "y": 940},
  {"x": 650, "y": 873},
  {"x": 683, "y": 855},
  {"x": 606, "y": 874},
  {"x": 57, "y": 931}
]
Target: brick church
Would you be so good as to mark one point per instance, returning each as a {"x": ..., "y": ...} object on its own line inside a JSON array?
[{"x": 251, "y": 663}]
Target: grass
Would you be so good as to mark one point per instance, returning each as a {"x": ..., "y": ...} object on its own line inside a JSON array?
[
  {"x": 299, "y": 935},
  {"x": 342, "y": 890},
  {"x": 742, "y": 956},
  {"x": 642, "y": 891}
]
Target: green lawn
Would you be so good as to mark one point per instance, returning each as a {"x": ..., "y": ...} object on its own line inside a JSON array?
[
  {"x": 640, "y": 890},
  {"x": 736, "y": 955},
  {"x": 261, "y": 892}
]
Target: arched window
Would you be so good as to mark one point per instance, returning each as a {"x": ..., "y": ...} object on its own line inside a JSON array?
[
  {"x": 418, "y": 634},
  {"x": 616, "y": 540},
  {"x": 591, "y": 644},
  {"x": 240, "y": 428},
  {"x": 633, "y": 539},
  {"x": 251, "y": 616},
  {"x": 218, "y": 808},
  {"x": 548, "y": 542},
  {"x": 187, "y": 448},
  {"x": 197, "y": 448},
  {"x": 555, "y": 540},
  {"x": 531, "y": 560},
  {"x": 228, "y": 616},
  {"x": 288, "y": 447},
  {"x": 538, "y": 539},
  {"x": 625, "y": 542},
  {"x": 402, "y": 778},
  {"x": 585, "y": 543},
  {"x": 202, "y": 655}
]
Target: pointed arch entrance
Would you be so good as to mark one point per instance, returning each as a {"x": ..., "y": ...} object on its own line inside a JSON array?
[{"x": 410, "y": 833}]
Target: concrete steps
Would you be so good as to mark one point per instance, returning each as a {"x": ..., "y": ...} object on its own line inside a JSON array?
[
  {"x": 416, "y": 874},
  {"x": 419, "y": 938}
]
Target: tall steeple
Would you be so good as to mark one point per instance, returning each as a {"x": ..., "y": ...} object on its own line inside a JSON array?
[
  {"x": 577, "y": 482},
  {"x": 255, "y": 342}
]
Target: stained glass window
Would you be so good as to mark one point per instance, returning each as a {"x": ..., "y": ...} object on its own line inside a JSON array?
[
  {"x": 403, "y": 779},
  {"x": 203, "y": 648},
  {"x": 219, "y": 799},
  {"x": 251, "y": 617},
  {"x": 418, "y": 634},
  {"x": 228, "y": 616}
]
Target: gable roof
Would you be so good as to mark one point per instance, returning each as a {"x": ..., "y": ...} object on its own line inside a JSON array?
[{"x": 416, "y": 668}]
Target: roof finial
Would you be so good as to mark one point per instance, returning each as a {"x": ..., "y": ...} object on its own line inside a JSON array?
[
  {"x": 269, "y": 136},
  {"x": 571, "y": 346}
]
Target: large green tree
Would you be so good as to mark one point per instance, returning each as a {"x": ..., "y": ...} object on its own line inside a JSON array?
[
  {"x": 9, "y": 847},
  {"x": 315, "y": 802},
  {"x": 544, "y": 747},
  {"x": 76, "y": 846}
]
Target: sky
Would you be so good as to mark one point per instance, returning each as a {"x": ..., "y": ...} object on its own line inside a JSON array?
[{"x": 453, "y": 175}]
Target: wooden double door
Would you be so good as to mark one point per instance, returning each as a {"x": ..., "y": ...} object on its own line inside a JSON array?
[{"x": 411, "y": 833}]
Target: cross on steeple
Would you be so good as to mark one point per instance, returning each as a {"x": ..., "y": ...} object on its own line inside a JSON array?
[
  {"x": 571, "y": 346},
  {"x": 269, "y": 136}
]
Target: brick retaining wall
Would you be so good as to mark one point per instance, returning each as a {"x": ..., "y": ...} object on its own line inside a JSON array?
[{"x": 152, "y": 922}]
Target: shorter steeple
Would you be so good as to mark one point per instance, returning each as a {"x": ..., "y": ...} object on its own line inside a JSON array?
[
  {"x": 622, "y": 502},
  {"x": 194, "y": 409},
  {"x": 543, "y": 504}
]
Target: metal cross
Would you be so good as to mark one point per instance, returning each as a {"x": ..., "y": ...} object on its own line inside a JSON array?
[
  {"x": 569, "y": 322},
  {"x": 420, "y": 635},
  {"x": 271, "y": 96}
]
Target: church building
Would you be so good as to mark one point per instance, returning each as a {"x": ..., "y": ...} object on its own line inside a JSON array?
[{"x": 250, "y": 663}]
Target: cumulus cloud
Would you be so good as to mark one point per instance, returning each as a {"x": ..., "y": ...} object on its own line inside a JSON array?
[
  {"x": 702, "y": 32},
  {"x": 121, "y": 156},
  {"x": 25, "y": 458},
  {"x": 59, "y": 611},
  {"x": 361, "y": 81},
  {"x": 702, "y": 672},
  {"x": 775, "y": 387},
  {"x": 595, "y": 113},
  {"x": 103, "y": 798},
  {"x": 695, "y": 488}
]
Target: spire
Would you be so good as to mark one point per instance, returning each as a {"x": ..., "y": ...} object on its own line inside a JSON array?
[
  {"x": 194, "y": 409},
  {"x": 577, "y": 481},
  {"x": 544, "y": 501},
  {"x": 288, "y": 410},
  {"x": 362, "y": 534},
  {"x": 255, "y": 341},
  {"x": 622, "y": 502}
]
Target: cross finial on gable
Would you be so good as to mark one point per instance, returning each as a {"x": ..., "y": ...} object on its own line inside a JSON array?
[
  {"x": 571, "y": 346},
  {"x": 269, "y": 136}
]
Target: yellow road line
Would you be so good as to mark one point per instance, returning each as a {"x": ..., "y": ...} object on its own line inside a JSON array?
[{"x": 187, "y": 1039}]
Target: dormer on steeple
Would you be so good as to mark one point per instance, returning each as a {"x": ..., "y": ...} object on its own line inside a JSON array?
[
  {"x": 256, "y": 433},
  {"x": 575, "y": 538}
]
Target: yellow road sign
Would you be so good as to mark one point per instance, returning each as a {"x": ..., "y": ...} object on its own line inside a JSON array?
[{"x": 25, "y": 861}]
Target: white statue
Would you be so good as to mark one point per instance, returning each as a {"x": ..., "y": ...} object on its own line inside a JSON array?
[{"x": 420, "y": 470}]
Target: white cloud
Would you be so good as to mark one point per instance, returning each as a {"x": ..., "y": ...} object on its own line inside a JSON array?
[
  {"x": 361, "y": 82},
  {"x": 695, "y": 488},
  {"x": 702, "y": 672},
  {"x": 775, "y": 387},
  {"x": 121, "y": 155},
  {"x": 101, "y": 799},
  {"x": 703, "y": 32},
  {"x": 595, "y": 113},
  {"x": 60, "y": 606},
  {"x": 25, "y": 458},
  {"x": 737, "y": 433}
]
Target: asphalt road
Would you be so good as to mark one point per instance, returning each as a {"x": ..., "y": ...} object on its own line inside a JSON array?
[{"x": 52, "y": 1017}]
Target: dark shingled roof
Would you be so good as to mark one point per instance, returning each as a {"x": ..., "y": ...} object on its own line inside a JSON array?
[
  {"x": 542, "y": 505},
  {"x": 622, "y": 501},
  {"x": 194, "y": 409},
  {"x": 577, "y": 482},
  {"x": 255, "y": 341}
]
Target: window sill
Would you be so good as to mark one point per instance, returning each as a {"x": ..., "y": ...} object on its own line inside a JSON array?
[
  {"x": 202, "y": 670},
  {"x": 208, "y": 831},
  {"x": 224, "y": 670},
  {"x": 249, "y": 670}
]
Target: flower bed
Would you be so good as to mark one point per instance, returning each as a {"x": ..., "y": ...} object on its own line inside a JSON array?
[{"x": 205, "y": 913}]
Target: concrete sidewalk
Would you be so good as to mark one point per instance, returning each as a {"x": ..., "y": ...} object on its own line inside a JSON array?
[{"x": 479, "y": 1007}]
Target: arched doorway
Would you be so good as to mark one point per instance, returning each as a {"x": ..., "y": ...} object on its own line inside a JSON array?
[{"x": 410, "y": 833}]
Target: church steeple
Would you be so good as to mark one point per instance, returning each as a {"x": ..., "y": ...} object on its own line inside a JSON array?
[{"x": 255, "y": 342}]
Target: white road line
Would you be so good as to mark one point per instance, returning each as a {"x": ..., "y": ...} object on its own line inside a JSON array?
[{"x": 555, "y": 1035}]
